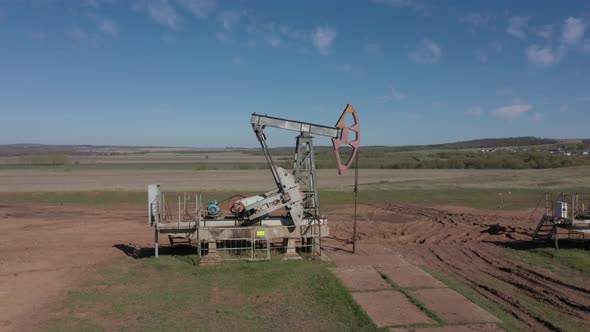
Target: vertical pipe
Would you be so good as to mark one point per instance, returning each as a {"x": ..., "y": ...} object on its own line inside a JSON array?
[
  {"x": 178, "y": 211},
  {"x": 573, "y": 209},
  {"x": 164, "y": 206},
  {"x": 156, "y": 239}
]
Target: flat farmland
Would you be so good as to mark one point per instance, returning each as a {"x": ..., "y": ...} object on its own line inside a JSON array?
[{"x": 66, "y": 178}]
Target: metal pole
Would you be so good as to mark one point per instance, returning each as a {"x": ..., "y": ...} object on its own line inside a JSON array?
[
  {"x": 164, "y": 206},
  {"x": 179, "y": 211},
  {"x": 356, "y": 189}
]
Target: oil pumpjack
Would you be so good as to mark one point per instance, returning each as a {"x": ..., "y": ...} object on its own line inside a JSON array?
[{"x": 296, "y": 192}]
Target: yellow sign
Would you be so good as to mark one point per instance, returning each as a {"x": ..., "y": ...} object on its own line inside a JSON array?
[{"x": 260, "y": 233}]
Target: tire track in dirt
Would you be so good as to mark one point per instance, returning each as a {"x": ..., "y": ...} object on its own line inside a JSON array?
[{"x": 467, "y": 245}]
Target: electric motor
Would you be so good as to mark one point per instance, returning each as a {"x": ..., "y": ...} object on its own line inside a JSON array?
[{"x": 213, "y": 209}]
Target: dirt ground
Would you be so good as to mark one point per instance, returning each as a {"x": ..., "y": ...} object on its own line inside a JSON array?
[
  {"x": 468, "y": 245},
  {"x": 47, "y": 250}
]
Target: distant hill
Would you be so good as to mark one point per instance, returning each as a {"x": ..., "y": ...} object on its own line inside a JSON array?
[
  {"x": 485, "y": 143},
  {"x": 72, "y": 150}
]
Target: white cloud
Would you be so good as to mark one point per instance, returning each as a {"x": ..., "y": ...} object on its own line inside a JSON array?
[
  {"x": 37, "y": 35},
  {"x": 513, "y": 111},
  {"x": 504, "y": 92},
  {"x": 96, "y": 3},
  {"x": 222, "y": 36},
  {"x": 517, "y": 26},
  {"x": 199, "y": 8},
  {"x": 350, "y": 69},
  {"x": 394, "y": 95},
  {"x": 481, "y": 56},
  {"x": 416, "y": 5},
  {"x": 538, "y": 116},
  {"x": 238, "y": 60},
  {"x": 372, "y": 48},
  {"x": 81, "y": 36},
  {"x": 229, "y": 19},
  {"x": 91, "y": 3},
  {"x": 292, "y": 33},
  {"x": 398, "y": 3},
  {"x": 160, "y": 11},
  {"x": 427, "y": 53},
  {"x": 585, "y": 47},
  {"x": 497, "y": 46},
  {"x": 563, "y": 108},
  {"x": 543, "y": 56},
  {"x": 274, "y": 41},
  {"x": 474, "y": 19},
  {"x": 323, "y": 38},
  {"x": 108, "y": 26},
  {"x": 573, "y": 30},
  {"x": 474, "y": 111},
  {"x": 546, "y": 31},
  {"x": 251, "y": 43}
]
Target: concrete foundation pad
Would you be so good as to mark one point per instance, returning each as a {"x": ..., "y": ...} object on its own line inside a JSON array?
[
  {"x": 346, "y": 259},
  {"x": 291, "y": 257},
  {"x": 361, "y": 278},
  {"x": 452, "y": 306},
  {"x": 410, "y": 276},
  {"x": 388, "y": 307},
  {"x": 453, "y": 328}
]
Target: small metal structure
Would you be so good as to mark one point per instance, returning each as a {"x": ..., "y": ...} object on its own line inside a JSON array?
[
  {"x": 252, "y": 227},
  {"x": 568, "y": 212}
]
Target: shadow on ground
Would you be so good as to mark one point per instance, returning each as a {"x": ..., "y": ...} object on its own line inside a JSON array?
[{"x": 140, "y": 253}]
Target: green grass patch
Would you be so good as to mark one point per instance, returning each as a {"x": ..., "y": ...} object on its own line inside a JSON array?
[
  {"x": 571, "y": 258},
  {"x": 476, "y": 198},
  {"x": 171, "y": 293}
]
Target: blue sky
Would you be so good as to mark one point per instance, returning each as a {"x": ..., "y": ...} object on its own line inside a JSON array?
[{"x": 190, "y": 72}]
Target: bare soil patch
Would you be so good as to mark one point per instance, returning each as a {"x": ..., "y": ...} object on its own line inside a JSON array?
[
  {"x": 361, "y": 278},
  {"x": 47, "y": 250},
  {"x": 409, "y": 276},
  {"x": 453, "y": 328},
  {"x": 390, "y": 307},
  {"x": 452, "y": 307},
  {"x": 468, "y": 245}
]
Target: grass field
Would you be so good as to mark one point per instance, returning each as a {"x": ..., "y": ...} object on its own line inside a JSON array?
[
  {"x": 171, "y": 293},
  {"x": 571, "y": 260},
  {"x": 492, "y": 199}
]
